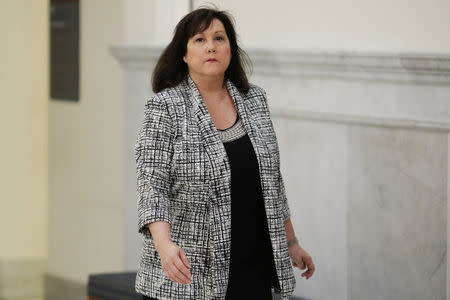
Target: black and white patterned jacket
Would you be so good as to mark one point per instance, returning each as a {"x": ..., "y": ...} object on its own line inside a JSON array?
[{"x": 183, "y": 177}]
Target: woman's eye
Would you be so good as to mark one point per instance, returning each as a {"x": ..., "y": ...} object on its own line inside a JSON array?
[{"x": 220, "y": 38}]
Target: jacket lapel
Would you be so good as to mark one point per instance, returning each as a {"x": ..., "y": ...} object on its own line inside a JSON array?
[
  {"x": 250, "y": 123},
  {"x": 212, "y": 142},
  {"x": 259, "y": 144}
]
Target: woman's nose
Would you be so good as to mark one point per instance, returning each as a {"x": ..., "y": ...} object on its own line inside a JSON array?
[{"x": 211, "y": 47}]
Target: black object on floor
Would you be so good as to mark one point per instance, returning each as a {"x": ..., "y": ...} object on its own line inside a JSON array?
[{"x": 113, "y": 286}]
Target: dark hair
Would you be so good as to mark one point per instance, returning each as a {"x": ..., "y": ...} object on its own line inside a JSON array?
[{"x": 170, "y": 69}]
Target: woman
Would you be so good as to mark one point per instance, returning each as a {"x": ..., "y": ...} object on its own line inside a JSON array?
[{"x": 211, "y": 201}]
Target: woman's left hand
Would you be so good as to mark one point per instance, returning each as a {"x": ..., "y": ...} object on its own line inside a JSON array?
[{"x": 301, "y": 259}]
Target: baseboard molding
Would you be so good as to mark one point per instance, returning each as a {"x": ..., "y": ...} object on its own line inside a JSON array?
[{"x": 57, "y": 288}]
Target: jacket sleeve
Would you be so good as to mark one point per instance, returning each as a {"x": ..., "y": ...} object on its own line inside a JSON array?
[
  {"x": 286, "y": 213},
  {"x": 153, "y": 154},
  {"x": 285, "y": 206}
]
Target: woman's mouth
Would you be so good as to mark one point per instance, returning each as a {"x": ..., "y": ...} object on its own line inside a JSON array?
[{"x": 212, "y": 60}]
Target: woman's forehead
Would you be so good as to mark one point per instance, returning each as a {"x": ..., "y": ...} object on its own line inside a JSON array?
[{"x": 215, "y": 25}]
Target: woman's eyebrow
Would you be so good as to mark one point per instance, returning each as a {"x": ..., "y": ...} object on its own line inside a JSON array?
[{"x": 214, "y": 32}]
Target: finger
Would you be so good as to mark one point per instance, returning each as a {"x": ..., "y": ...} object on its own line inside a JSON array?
[
  {"x": 307, "y": 260},
  {"x": 183, "y": 270},
  {"x": 310, "y": 264},
  {"x": 301, "y": 265},
  {"x": 184, "y": 258},
  {"x": 179, "y": 278},
  {"x": 176, "y": 275},
  {"x": 170, "y": 275},
  {"x": 308, "y": 274}
]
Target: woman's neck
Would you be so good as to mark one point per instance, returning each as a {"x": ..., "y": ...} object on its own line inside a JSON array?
[{"x": 211, "y": 85}]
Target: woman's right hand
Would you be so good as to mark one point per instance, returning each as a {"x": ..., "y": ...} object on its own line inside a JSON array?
[{"x": 174, "y": 262}]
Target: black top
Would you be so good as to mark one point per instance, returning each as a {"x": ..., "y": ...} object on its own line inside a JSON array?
[{"x": 252, "y": 269}]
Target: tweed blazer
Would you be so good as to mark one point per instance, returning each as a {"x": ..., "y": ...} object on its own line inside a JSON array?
[{"x": 184, "y": 178}]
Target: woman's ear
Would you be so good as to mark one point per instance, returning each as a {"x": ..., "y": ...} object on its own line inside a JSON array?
[{"x": 184, "y": 59}]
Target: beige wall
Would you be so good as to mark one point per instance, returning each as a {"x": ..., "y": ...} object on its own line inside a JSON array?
[
  {"x": 23, "y": 125},
  {"x": 86, "y": 155},
  {"x": 366, "y": 25},
  {"x": 151, "y": 22},
  {"x": 139, "y": 26},
  {"x": 23, "y": 147}
]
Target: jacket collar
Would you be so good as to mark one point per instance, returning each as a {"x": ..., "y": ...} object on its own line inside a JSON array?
[
  {"x": 204, "y": 119},
  {"x": 208, "y": 130}
]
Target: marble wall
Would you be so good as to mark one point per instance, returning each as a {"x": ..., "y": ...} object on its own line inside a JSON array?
[
  {"x": 364, "y": 143},
  {"x": 397, "y": 216}
]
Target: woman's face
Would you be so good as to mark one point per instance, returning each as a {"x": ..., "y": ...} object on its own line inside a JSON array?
[{"x": 210, "y": 44}]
